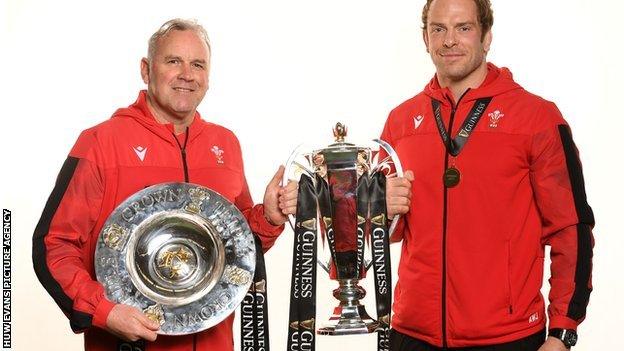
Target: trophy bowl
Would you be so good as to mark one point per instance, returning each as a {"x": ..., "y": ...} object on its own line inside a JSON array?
[{"x": 180, "y": 252}]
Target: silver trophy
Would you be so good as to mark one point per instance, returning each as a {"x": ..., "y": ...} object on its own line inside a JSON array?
[
  {"x": 344, "y": 218},
  {"x": 180, "y": 252}
]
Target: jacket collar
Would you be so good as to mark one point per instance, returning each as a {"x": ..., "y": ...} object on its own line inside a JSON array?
[
  {"x": 140, "y": 112},
  {"x": 497, "y": 81}
]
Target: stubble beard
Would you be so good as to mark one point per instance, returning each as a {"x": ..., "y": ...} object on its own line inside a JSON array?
[{"x": 457, "y": 73}]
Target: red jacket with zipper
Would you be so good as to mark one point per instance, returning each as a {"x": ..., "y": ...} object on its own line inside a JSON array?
[
  {"x": 472, "y": 257},
  {"x": 108, "y": 163}
]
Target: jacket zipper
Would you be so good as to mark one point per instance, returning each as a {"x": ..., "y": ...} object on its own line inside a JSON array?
[
  {"x": 509, "y": 289},
  {"x": 194, "y": 342},
  {"x": 183, "y": 153},
  {"x": 445, "y": 219}
]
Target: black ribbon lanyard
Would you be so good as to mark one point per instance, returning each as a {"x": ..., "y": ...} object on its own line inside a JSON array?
[
  {"x": 362, "y": 213},
  {"x": 254, "y": 308},
  {"x": 380, "y": 248},
  {"x": 455, "y": 146},
  {"x": 327, "y": 213},
  {"x": 452, "y": 175},
  {"x": 301, "y": 332},
  {"x": 371, "y": 203}
]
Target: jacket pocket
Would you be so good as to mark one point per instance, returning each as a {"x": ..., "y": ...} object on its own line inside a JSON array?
[{"x": 510, "y": 302}]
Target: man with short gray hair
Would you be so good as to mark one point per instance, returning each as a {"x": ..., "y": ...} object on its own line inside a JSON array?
[{"x": 159, "y": 138}]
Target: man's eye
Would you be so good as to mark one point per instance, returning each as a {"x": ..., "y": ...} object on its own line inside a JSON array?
[
  {"x": 437, "y": 30},
  {"x": 464, "y": 28},
  {"x": 173, "y": 61},
  {"x": 199, "y": 65}
]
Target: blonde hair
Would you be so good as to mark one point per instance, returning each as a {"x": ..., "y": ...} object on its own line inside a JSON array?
[{"x": 484, "y": 13}]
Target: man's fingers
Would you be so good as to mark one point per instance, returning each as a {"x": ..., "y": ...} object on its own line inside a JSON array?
[
  {"x": 145, "y": 327},
  {"x": 277, "y": 178},
  {"x": 145, "y": 321},
  {"x": 398, "y": 182},
  {"x": 288, "y": 196},
  {"x": 292, "y": 186},
  {"x": 288, "y": 203},
  {"x": 289, "y": 210},
  {"x": 147, "y": 334},
  {"x": 395, "y": 210},
  {"x": 399, "y": 191},
  {"x": 409, "y": 175},
  {"x": 149, "y": 324},
  {"x": 398, "y": 201}
]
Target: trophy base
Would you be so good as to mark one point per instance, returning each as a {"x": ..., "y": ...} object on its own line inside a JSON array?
[
  {"x": 349, "y": 317},
  {"x": 348, "y": 320}
]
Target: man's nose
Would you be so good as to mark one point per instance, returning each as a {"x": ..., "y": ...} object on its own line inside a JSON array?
[
  {"x": 186, "y": 72},
  {"x": 449, "y": 39}
]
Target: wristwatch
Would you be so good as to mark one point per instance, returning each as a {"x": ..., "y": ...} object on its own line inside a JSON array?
[{"x": 567, "y": 336}]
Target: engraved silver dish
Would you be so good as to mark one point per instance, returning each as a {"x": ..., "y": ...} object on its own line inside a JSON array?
[{"x": 180, "y": 252}]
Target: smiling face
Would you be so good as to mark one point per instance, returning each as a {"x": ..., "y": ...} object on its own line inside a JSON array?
[
  {"x": 177, "y": 76},
  {"x": 454, "y": 40}
]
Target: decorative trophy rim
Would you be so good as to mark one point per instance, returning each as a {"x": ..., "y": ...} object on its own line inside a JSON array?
[
  {"x": 180, "y": 252},
  {"x": 300, "y": 161}
]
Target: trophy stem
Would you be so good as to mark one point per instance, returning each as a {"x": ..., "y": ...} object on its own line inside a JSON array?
[{"x": 349, "y": 317}]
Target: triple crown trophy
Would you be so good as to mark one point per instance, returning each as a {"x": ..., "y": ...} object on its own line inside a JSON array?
[{"x": 342, "y": 201}]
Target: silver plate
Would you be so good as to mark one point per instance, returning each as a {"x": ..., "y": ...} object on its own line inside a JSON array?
[{"x": 180, "y": 252}]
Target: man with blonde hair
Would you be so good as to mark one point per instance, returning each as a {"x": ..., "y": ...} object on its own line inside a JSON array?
[
  {"x": 159, "y": 138},
  {"x": 494, "y": 176}
]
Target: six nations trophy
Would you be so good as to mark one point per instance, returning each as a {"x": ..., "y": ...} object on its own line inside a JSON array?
[
  {"x": 185, "y": 256},
  {"x": 341, "y": 199}
]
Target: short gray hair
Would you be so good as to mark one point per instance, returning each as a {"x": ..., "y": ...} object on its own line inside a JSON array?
[{"x": 176, "y": 24}]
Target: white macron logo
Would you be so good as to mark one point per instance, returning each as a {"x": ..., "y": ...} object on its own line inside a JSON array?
[
  {"x": 140, "y": 152},
  {"x": 218, "y": 152},
  {"x": 417, "y": 121}
]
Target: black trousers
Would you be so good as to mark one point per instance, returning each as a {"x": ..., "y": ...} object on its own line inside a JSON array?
[{"x": 402, "y": 342}]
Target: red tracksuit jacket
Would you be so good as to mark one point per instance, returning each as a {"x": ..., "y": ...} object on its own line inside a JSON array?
[
  {"x": 472, "y": 257},
  {"x": 108, "y": 163}
]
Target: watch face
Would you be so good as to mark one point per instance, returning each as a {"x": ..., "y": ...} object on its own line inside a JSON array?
[{"x": 570, "y": 338}]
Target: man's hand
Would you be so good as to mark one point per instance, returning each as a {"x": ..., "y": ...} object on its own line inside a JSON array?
[
  {"x": 553, "y": 344},
  {"x": 279, "y": 201},
  {"x": 398, "y": 194},
  {"x": 130, "y": 324}
]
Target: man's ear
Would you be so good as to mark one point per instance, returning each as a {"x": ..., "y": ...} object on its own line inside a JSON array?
[
  {"x": 145, "y": 70},
  {"x": 425, "y": 36},
  {"x": 487, "y": 41}
]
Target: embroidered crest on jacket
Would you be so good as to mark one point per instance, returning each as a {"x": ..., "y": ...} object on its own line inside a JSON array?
[
  {"x": 218, "y": 153},
  {"x": 494, "y": 118}
]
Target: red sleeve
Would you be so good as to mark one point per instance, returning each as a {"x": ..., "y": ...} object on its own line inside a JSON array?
[
  {"x": 567, "y": 219},
  {"x": 258, "y": 223},
  {"x": 62, "y": 239}
]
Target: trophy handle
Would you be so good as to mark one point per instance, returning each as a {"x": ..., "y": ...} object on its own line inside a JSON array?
[
  {"x": 324, "y": 265},
  {"x": 293, "y": 170},
  {"x": 387, "y": 162}
]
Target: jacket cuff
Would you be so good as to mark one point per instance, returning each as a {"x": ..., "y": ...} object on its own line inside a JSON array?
[
  {"x": 101, "y": 313},
  {"x": 562, "y": 322},
  {"x": 260, "y": 225}
]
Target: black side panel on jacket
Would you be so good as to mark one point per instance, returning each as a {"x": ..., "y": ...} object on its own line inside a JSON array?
[
  {"x": 79, "y": 321},
  {"x": 580, "y": 298}
]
